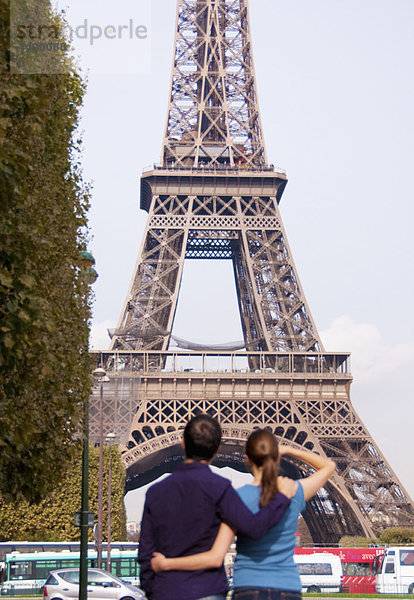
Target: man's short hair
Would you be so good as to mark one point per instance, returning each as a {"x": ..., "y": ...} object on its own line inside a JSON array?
[{"x": 202, "y": 437}]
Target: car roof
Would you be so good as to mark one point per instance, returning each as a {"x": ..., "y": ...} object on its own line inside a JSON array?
[{"x": 76, "y": 569}]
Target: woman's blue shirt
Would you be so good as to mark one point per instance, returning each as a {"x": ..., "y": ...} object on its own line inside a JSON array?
[{"x": 268, "y": 562}]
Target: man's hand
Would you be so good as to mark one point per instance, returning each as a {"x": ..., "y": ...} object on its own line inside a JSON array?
[
  {"x": 157, "y": 562},
  {"x": 287, "y": 486}
]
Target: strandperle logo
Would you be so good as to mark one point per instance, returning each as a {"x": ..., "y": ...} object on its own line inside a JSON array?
[{"x": 31, "y": 35}]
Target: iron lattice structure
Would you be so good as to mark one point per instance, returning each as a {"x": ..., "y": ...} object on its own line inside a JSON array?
[
  {"x": 213, "y": 115},
  {"x": 215, "y": 197}
]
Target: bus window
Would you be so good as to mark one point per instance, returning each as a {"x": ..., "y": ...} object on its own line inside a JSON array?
[
  {"x": 323, "y": 569},
  {"x": 389, "y": 567},
  {"x": 305, "y": 569},
  {"x": 314, "y": 568},
  {"x": 407, "y": 558},
  {"x": 21, "y": 570},
  {"x": 124, "y": 567},
  {"x": 358, "y": 568},
  {"x": 42, "y": 568},
  {"x": 377, "y": 564},
  {"x": 67, "y": 563}
]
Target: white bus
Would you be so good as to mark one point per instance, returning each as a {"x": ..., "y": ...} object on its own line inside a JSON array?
[
  {"x": 27, "y": 572},
  {"x": 19, "y": 546},
  {"x": 395, "y": 571},
  {"x": 319, "y": 572}
]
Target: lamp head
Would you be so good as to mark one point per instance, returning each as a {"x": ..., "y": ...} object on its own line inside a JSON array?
[{"x": 100, "y": 373}]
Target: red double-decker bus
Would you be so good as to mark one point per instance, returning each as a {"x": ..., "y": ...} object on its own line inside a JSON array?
[{"x": 357, "y": 566}]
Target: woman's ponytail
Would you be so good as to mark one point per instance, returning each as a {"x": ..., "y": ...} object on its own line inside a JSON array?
[
  {"x": 268, "y": 487},
  {"x": 262, "y": 449}
]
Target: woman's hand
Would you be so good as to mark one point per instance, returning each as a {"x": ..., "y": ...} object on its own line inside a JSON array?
[
  {"x": 323, "y": 465},
  {"x": 283, "y": 450},
  {"x": 158, "y": 562}
]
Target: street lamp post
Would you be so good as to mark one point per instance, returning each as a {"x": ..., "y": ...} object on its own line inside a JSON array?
[
  {"x": 84, "y": 516},
  {"x": 109, "y": 439},
  {"x": 100, "y": 375}
]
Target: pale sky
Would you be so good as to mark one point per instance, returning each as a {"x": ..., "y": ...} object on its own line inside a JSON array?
[{"x": 336, "y": 92}]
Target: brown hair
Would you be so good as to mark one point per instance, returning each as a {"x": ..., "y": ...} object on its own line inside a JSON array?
[
  {"x": 202, "y": 437},
  {"x": 263, "y": 451}
]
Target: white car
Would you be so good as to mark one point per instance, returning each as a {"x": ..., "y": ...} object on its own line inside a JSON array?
[{"x": 63, "y": 584}]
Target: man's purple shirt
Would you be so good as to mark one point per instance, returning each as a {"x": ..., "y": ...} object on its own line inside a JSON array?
[{"x": 182, "y": 515}]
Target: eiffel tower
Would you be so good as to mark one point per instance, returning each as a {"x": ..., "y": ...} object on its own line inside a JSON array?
[{"x": 215, "y": 196}]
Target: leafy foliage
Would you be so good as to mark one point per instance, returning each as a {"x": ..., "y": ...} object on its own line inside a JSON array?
[
  {"x": 52, "y": 518},
  {"x": 398, "y": 535},
  {"x": 44, "y": 306},
  {"x": 391, "y": 536},
  {"x": 349, "y": 541}
]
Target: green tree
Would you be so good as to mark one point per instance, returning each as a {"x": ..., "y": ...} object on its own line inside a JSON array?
[
  {"x": 52, "y": 518},
  {"x": 44, "y": 295},
  {"x": 397, "y": 535},
  {"x": 357, "y": 541}
]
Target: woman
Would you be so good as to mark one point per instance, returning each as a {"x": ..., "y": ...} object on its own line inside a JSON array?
[{"x": 264, "y": 568}]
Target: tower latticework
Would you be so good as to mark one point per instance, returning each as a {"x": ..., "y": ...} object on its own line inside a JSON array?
[
  {"x": 213, "y": 115},
  {"x": 214, "y": 196}
]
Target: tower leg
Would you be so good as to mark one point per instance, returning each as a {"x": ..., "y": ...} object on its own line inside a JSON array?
[{"x": 147, "y": 318}]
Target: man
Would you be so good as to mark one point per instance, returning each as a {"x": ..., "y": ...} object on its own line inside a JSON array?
[{"x": 183, "y": 512}]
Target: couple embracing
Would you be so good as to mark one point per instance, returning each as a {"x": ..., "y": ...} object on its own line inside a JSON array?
[{"x": 191, "y": 517}]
